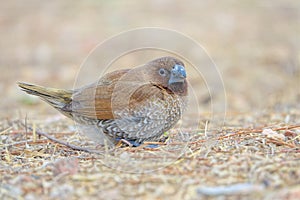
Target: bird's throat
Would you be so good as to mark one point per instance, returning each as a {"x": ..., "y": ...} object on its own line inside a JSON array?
[{"x": 179, "y": 88}]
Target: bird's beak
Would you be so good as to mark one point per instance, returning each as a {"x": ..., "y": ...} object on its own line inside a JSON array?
[{"x": 178, "y": 74}]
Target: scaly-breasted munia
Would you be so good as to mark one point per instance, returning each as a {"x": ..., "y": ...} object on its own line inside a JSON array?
[{"x": 137, "y": 105}]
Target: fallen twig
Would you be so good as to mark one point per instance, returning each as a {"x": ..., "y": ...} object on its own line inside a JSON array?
[{"x": 71, "y": 146}]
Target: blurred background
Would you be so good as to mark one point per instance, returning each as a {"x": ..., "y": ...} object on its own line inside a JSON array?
[{"x": 255, "y": 44}]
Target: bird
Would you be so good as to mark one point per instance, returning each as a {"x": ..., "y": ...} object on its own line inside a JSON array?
[{"x": 135, "y": 105}]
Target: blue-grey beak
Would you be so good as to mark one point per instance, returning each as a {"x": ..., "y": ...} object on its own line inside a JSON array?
[{"x": 178, "y": 74}]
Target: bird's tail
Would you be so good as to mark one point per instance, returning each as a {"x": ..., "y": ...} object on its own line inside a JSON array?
[{"x": 57, "y": 98}]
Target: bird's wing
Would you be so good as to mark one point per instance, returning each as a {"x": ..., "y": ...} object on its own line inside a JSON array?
[{"x": 95, "y": 100}]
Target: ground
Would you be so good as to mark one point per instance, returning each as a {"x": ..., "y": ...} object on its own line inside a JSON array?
[{"x": 250, "y": 151}]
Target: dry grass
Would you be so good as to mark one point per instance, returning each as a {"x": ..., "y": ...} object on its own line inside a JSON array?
[{"x": 248, "y": 162}]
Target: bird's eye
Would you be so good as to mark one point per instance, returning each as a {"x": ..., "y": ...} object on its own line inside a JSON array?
[{"x": 162, "y": 72}]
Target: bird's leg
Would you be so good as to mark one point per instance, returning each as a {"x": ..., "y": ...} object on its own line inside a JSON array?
[
  {"x": 123, "y": 141},
  {"x": 132, "y": 143},
  {"x": 164, "y": 139}
]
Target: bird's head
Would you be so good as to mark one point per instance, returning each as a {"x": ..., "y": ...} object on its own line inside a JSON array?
[{"x": 168, "y": 72}]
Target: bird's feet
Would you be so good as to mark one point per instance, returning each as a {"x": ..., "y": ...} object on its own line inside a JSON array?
[{"x": 132, "y": 143}]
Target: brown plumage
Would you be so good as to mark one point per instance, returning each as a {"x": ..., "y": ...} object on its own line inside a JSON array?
[{"x": 137, "y": 104}]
